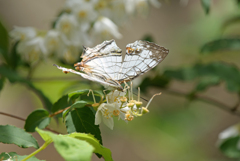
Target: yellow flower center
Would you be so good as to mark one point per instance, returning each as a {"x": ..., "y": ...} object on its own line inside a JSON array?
[
  {"x": 66, "y": 27},
  {"x": 82, "y": 14},
  {"x": 116, "y": 112}
]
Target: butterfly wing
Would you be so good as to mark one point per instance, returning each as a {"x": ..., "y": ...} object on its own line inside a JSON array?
[
  {"x": 94, "y": 78},
  {"x": 141, "y": 56},
  {"x": 104, "y": 60}
]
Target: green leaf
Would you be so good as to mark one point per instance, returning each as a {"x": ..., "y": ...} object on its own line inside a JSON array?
[
  {"x": 62, "y": 103},
  {"x": 221, "y": 44},
  {"x": 73, "y": 149},
  {"x": 82, "y": 120},
  {"x": 105, "y": 152},
  {"x": 4, "y": 42},
  {"x": 183, "y": 74},
  {"x": 13, "y": 77},
  {"x": 160, "y": 81},
  {"x": 69, "y": 148},
  {"x": 209, "y": 75},
  {"x": 78, "y": 104},
  {"x": 206, "y": 5},
  {"x": 1, "y": 83},
  {"x": 38, "y": 118},
  {"x": 207, "y": 82},
  {"x": 230, "y": 147},
  {"x": 230, "y": 21},
  {"x": 14, "y": 57},
  {"x": 13, "y": 135},
  {"x": 16, "y": 157}
]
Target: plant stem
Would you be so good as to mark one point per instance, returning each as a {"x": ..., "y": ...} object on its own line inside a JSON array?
[
  {"x": 58, "y": 112},
  {"x": 206, "y": 100},
  {"x": 22, "y": 119},
  {"x": 38, "y": 150}
]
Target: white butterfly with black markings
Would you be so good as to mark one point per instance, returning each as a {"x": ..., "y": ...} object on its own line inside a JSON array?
[{"x": 105, "y": 64}]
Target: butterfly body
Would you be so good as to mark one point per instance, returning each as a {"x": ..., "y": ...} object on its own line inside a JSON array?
[{"x": 105, "y": 64}]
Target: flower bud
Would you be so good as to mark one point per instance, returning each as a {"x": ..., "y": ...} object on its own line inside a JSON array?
[
  {"x": 123, "y": 99},
  {"x": 138, "y": 104},
  {"x": 144, "y": 110},
  {"x": 130, "y": 105},
  {"x": 132, "y": 101}
]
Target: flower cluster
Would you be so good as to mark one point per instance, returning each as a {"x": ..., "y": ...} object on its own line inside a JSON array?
[
  {"x": 118, "y": 105},
  {"x": 77, "y": 25}
]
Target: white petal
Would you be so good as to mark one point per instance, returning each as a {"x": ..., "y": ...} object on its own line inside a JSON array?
[
  {"x": 109, "y": 122},
  {"x": 98, "y": 117}
]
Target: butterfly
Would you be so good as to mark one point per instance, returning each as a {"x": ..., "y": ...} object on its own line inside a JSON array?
[{"x": 106, "y": 64}]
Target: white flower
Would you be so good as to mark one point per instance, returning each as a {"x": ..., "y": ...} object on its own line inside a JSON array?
[
  {"x": 114, "y": 96},
  {"x": 84, "y": 12},
  {"x": 33, "y": 49},
  {"x": 106, "y": 27},
  {"x": 68, "y": 53},
  {"x": 23, "y": 33},
  {"x": 68, "y": 28},
  {"x": 104, "y": 113},
  {"x": 52, "y": 41},
  {"x": 136, "y": 5}
]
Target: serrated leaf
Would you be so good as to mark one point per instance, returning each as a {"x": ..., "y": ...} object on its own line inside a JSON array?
[
  {"x": 16, "y": 157},
  {"x": 221, "y": 45},
  {"x": 69, "y": 148},
  {"x": 13, "y": 77},
  {"x": 82, "y": 120},
  {"x": 13, "y": 135},
  {"x": 78, "y": 104},
  {"x": 206, "y": 5},
  {"x": 105, "y": 152},
  {"x": 38, "y": 118},
  {"x": 230, "y": 147},
  {"x": 62, "y": 103},
  {"x": 4, "y": 42}
]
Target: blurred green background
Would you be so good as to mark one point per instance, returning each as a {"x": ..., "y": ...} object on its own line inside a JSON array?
[{"x": 175, "y": 129}]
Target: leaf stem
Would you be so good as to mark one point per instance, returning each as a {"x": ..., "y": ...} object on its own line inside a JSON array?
[
  {"x": 38, "y": 150},
  {"x": 58, "y": 112}
]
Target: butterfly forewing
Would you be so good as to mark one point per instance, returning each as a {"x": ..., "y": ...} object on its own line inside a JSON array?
[{"x": 141, "y": 56}]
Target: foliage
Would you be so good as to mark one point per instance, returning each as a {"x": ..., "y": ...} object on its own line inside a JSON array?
[{"x": 83, "y": 110}]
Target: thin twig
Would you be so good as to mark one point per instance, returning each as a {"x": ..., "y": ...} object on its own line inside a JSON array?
[
  {"x": 206, "y": 100},
  {"x": 22, "y": 119},
  {"x": 58, "y": 112}
]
